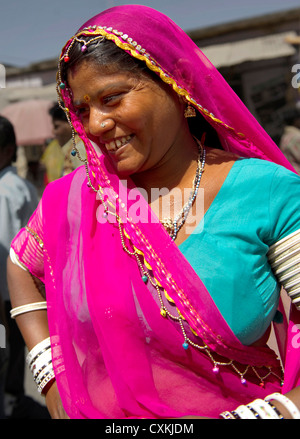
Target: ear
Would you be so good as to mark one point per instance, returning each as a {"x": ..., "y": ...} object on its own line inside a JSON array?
[{"x": 182, "y": 100}]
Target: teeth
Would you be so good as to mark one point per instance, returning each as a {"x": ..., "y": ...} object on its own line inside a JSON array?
[{"x": 116, "y": 144}]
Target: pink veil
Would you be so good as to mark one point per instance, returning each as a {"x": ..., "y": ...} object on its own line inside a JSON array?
[{"x": 113, "y": 354}]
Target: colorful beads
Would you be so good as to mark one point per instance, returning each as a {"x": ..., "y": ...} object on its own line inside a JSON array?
[
  {"x": 73, "y": 152},
  {"x": 83, "y": 48},
  {"x": 185, "y": 345},
  {"x": 144, "y": 278},
  {"x": 216, "y": 369},
  {"x": 62, "y": 85},
  {"x": 66, "y": 58},
  {"x": 243, "y": 381}
]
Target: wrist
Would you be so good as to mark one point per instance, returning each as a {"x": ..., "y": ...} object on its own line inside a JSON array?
[
  {"x": 274, "y": 406},
  {"x": 39, "y": 360}
]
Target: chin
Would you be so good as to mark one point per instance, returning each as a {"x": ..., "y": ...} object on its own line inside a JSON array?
[
  {"x": 124, "y": 173},
  {"x": 125, "y": 170}
]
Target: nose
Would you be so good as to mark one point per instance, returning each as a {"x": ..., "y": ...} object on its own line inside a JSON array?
[{"x": 99, "y": 123}]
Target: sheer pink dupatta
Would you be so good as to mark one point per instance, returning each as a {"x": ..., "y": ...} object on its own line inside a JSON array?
[{"x": 114, "y": 355}]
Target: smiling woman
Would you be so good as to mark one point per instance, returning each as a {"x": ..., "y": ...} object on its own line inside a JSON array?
[
  {"x": 149, "y": 316},
  {"x": 135, "y": 111}
]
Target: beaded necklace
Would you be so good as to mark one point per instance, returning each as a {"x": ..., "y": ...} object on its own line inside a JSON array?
[{"x": 173, "y": 226}]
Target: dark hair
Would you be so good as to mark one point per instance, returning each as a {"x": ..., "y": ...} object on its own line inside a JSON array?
[
  {"x": 8, "y": 137},
  {"x": 108, "y": 55},
  {"x": 57, "y": 113},
  {"x": 7, "y": 133}
]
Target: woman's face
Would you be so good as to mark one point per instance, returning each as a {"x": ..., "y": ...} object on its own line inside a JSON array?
[{"x": 137, "y": 120}]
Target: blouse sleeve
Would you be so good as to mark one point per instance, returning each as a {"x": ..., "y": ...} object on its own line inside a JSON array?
[
  {"x": 284, "y": 204},
  {"x": 27, "y": 246},
  {"x": 284, "y": 253}
]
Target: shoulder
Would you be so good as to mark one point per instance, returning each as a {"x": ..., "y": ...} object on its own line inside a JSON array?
[
  {"x": 262, "y": 170},
  {"x": 268, "y": 171},
  {"x": 221, "y": 165},
  {"x": 252, "y": 175}
]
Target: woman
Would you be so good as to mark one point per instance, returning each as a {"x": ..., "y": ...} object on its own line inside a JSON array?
[{"x": 155, "y": 315}]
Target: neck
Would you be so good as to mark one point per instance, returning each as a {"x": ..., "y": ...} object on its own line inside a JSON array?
[{"x": 175, "y": 170}]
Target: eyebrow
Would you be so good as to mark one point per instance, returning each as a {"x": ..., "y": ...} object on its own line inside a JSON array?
[{"x": 78, "y": 102}]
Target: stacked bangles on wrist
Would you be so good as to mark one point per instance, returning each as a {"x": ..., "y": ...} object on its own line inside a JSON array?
[
  {"x": 39, "y": 358},
  {"x": 263, "y": 409}
]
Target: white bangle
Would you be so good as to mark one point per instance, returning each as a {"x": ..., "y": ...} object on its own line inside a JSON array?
[
  {"x": 36, "y": 306},
  {"x": 263, "y": 409},
  {"x": 42, "y": 373},
  {"x": 244, "y": 412},
  {"x": 38, "y": 349},
  {"x": 39, "y": 360},
  {"x": 227, "y": 415},
  {"x": 286, "y": 402},
  {"x": 50, "y": 376}
]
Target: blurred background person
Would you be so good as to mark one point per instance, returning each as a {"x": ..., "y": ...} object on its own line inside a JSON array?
[
  {"x": 3, "y": 357},
  {"x": 63, "y": 134},
  {"x": 53, "y": 161},
  {"x": 18, "y": 200},
  {"x": 290, "y": 140}
]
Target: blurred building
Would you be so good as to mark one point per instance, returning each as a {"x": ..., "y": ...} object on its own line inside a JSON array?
[
  {"x": 34, "y": 81},
  {"x": 253, "y": 55},
  {"x": 256, "y": 57}
]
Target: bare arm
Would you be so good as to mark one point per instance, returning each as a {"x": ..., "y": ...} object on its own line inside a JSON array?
[{"x": 23, "y": 288}]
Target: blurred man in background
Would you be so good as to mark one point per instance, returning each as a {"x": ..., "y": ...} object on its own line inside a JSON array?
[{"x": 18, "y": 200}]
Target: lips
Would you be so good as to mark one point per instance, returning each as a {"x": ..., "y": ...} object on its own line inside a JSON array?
[{"x": 116, "y": 144}]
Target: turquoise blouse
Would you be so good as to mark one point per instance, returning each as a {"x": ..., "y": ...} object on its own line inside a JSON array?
[{"x": 257, "y": 205}]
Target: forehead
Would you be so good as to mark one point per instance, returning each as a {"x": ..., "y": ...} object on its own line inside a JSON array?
[
  {"x": 91, "y": 78},
  {"x": 87, "y": 72}
]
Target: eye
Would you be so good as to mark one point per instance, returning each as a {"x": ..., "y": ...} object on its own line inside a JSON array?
[
  {"x": 112, "y": 99},
  {"x": 82, "y": 111}
]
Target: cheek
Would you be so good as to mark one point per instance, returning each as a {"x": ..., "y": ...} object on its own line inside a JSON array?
[
  {"x": 133, "y": 118},
  {"x": 57, "y": 131}
]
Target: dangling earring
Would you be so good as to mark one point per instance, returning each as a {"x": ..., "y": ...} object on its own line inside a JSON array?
[
  {"x": 189, "y": 111},
  {"x": 75, "y": 151}
]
